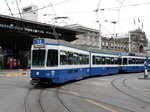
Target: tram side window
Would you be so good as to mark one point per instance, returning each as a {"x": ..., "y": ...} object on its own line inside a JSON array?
[
  {"x": 116, "y": 60},
  {"x": 133, "y": 61},
  {"x": 70, "y": 58},
  {"x": 120, "y": 61},
  {"x": 108, "y": 60},
  {"x": 76, "y": 58},
  {"x": 143, "y": 60},
  {"x": 80, "y": 59},
  {"x": 86, "y": 58},
  {"x": 94, "y": 60},
  {"x": 140, "y": 61},
  {"x": 98, "y": 60},
  {"x": 124, "y": 61},
  {"x": 52, "y": 58},
  {"x": 137, "y": 61},
  {"x": 112, "y": 60},
  {"x": 148, "y": 60},
  {"x": 103, "y": 60},
  {"x": 63, "y": 58},
  {"x": 130, "y": 61}
]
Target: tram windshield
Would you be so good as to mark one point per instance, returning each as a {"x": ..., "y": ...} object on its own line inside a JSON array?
[
  {"x": 52, "y": 58},
  {"x": 38, "y": 57}
]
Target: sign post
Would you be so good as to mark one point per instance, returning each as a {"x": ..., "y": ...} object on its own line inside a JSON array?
[{"x": 145, "y": 68}]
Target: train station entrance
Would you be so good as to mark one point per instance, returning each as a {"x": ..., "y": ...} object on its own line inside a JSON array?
[{"x": 17, "y": 35}]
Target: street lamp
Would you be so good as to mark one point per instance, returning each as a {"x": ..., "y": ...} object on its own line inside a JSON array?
[
  {"x": 56, "y": 18},
  {"x": 97, "y": 20},
  {"x": 61, "y": 17},
  {"x": 114, "y": 22}
]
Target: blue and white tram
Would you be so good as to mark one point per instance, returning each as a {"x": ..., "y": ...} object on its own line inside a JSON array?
[
  {"x": 104, "y": 64},
  {"x": 52, "y": 62},
  {"x": 131, "y": 63},
  {"x": 55, "y": 61}
]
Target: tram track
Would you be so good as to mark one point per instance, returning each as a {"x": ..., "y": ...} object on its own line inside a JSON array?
[
  {"x": 126, "y": 93},
  {"x": 86, "y": 98},
  {"x": 64, "y": 104},
  {"x": 133, "y": 89},
  {"x": 102, "y": 102},
  {"x": 25, "y": 98},
  {"x": 39, "y": 102},
  {"x": 61, "y": 101}
]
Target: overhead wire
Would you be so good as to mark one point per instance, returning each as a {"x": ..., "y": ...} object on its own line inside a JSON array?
[
  {"x": 62, "y": 2},
  {"x": 9, "y": 8},
  {"x": 106, "y": 29},
  {"x": 118, "y": 1},
  {"x": 19, "y": 9},
  {"x": 30, "y": 1},
  {"x": 52, "y": 7},
  {"x": 104, "y": 9},
  {"x": 132, "y": 5},
  {"x": 120, "y": 9}
]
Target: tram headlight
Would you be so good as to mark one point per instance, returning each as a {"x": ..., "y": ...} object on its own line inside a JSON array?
[
  {"x": 37, "y": 73},
  {"x": 53, "y": 73}
]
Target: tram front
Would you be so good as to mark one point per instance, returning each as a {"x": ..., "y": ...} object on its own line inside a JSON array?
[{"x": 44, "y": 62}]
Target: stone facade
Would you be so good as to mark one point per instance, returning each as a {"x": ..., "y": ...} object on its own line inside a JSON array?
[{"x": 90, "y": 37}]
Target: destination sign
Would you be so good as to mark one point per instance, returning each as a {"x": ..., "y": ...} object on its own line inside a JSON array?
[{"x": 39, "y": 43}]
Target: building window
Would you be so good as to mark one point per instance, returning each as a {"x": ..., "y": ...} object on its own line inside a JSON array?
[
  {"x": 115, "y": 46},
  {"x": 111, "y": 44},
  {"x": 118, "y": 46},
  {"x": 121, "y": 46},
  {"x": 107, "y": 44},
  {"x": 103, "y": 44}
]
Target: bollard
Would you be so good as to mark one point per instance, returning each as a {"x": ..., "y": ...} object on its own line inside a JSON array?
[{"x": 145, "y": 74}]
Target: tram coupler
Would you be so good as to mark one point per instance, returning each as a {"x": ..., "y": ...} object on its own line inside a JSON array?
[
  {"x": 40, "y": 81},
  {"x": 34, "y": 82}
]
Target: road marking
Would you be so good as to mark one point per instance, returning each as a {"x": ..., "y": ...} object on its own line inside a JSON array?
[
  {"x": 64, "y": 88},
  {"x": 103, "y": 79},
  {"x": 14, "y": 74},
  {"x": 100, "y": 84},
  {"x": 101, "y": 106},
  {"x": 26, "y": 75},
  {"x": 17, "y": 75},
  {"x": 74, "y": 93},
  {"x": 8, "y": 75}
]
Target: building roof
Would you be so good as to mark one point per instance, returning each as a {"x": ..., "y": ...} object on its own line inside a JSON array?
[
  {"x": 82, "y": 28},
  {"x": 35, "y": 29},
  {"x": 122, "y": 36}
]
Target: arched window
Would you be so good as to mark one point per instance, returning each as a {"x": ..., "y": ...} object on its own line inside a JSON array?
[{"x": 141, "y": 49}]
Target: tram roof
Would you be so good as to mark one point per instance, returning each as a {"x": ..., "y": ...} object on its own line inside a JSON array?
[
  {"x": 65, "y": 43},
  {"x": 62, "y": 42}
]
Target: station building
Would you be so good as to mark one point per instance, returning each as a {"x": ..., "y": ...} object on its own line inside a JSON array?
[
  {"x": 17, "y": 35},
  {"x": 90, "y": 37}
]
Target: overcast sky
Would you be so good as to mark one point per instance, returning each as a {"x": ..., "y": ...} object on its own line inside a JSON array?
[{"x": 124, "y": 12}]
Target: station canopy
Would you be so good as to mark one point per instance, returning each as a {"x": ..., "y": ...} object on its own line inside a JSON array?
[{"x": 16, "y": 33}]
